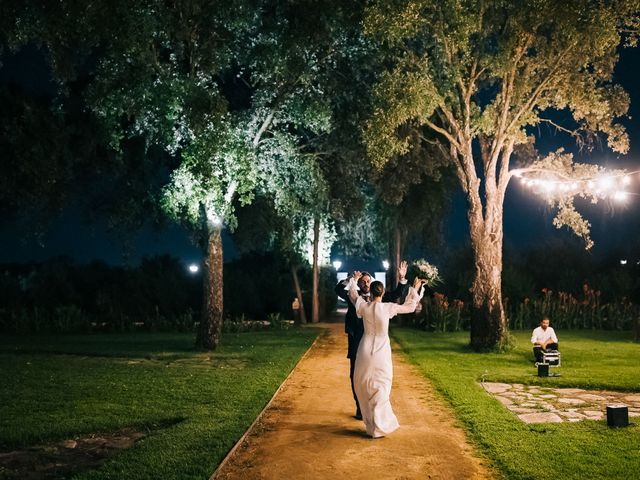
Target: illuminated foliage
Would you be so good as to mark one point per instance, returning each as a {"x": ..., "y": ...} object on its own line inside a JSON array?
[{"x": 479, "y": 76}]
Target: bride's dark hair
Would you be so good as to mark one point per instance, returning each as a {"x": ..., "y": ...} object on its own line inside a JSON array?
[{"x": 377, "y": 289}]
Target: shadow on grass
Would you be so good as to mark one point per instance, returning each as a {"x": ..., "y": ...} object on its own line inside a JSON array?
[
  {"x": 101, "y": 345},
  {"x": 63, "y": 458},
  {"x": 152, "y": 346}
]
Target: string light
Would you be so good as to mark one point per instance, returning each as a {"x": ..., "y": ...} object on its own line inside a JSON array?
[
  {"x": 605, "y": 183},
  {"x": 621, "y": 196},
  {"x": 613, "y": 185}
]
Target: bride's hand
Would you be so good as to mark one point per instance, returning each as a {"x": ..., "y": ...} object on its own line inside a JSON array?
[{"x": 356, "y": 275}]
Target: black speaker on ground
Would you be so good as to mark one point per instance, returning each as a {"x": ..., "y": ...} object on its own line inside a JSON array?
[
  {"x": 617, "y": 415},
  {"x": 543, "y": 369}
]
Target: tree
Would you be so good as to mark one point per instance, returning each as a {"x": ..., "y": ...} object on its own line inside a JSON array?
[
  {"x": 480, "y": 75},
  {"x": 412, "y": 196},
  {"x": 309, "y": 68},
  {"x": 204, "y": 84}
]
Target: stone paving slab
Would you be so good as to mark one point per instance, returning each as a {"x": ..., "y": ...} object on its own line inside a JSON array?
[{"x": 536, "y": 404}]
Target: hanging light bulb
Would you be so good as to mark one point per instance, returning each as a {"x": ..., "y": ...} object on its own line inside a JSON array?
[
  {"x": 605, "y": 183},
  {"x": 621, "y": 196}
]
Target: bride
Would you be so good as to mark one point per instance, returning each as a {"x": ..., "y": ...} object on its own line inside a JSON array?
[{"x": 373, "y": 370}]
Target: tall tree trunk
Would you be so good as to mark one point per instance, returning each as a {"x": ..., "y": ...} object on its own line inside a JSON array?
[
  {"x": 210, "y": 329},
  {"x": 296, "y": 283},
  {"x": 488, "y": 322},
  {"x": 315, "y": 307},
  {"x": 397, "y": 256}
]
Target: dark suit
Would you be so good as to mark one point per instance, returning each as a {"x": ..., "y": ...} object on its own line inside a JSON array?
[{"x": 354, "y": 327}]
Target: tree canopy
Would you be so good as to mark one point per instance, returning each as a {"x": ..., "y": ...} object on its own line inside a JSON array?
[{"x": 479, "y": 76}]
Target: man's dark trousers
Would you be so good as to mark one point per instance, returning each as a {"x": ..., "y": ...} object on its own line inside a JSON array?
[{"x": 537, "y": 351}]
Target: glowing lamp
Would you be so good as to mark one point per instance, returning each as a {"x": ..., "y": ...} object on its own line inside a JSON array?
[{"x": 620, "y": 196}]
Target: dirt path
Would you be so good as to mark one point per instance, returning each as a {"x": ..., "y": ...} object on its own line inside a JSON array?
[{"x": 308, "y": 431}]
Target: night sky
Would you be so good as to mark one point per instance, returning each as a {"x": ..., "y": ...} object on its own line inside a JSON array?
[{"x": 615, "y": 227}]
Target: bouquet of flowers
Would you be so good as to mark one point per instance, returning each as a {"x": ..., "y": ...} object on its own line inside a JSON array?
[{"x": 425, "y": 271}]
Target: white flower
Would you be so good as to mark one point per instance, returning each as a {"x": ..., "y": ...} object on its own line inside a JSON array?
[{"x": 427, "y": 271}]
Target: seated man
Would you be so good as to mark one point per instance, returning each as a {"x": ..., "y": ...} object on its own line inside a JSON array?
[{"x": 543, "y": 339}]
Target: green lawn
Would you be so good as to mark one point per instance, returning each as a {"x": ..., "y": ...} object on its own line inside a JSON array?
[
  {"x": 582, "y": 450},
  {"x": 194, "y": 405}
]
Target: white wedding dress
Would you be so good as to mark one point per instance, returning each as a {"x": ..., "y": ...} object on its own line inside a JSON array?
[{"x": 373, "y": 373}]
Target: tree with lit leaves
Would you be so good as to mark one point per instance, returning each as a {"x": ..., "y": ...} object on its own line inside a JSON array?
[
  {"x": 262, "y": 143},
  {"x": 479, "y": 75},
  {"x": 170, "y": 76},
  {"x": 207, "y": 84}
]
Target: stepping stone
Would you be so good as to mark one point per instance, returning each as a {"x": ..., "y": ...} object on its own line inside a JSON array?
[
  {"x": 505, "y": 401},
  {"x": 590, "y": 396},
  {"x": 593, "y": 413},
  {"x": 496, "y": 387},
  {"x": 518, "y": 386},
  {"x": 571, "y": 415},
  {"x": 548, "y": 395},
  {"x": 632, "y": 398},
  {"x": 522, "y": 410},
  {"x": 510, "y": 394},
  {"x": 529, "y": 404},
  {"x": 545, "y": 417},
  {"x": 534, "y": 390},
  {"x": 634, "y": 414},
  {"x": 569, "y": 390},
  {"x": 571, "y": 401}
]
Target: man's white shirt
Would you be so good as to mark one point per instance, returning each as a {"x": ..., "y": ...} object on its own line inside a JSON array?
[{"x": 540, "y": 336}]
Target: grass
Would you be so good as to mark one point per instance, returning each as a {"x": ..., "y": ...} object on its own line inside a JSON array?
[
  {"x": 194, "y": 405},
  {"x": 581, "y": 450}
]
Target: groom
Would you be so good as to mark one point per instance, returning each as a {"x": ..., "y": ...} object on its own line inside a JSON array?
[{"x": 353, "y": 326}]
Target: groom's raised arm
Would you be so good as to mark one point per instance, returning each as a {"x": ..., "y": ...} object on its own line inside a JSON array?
[{"x": 402, "y": 288}]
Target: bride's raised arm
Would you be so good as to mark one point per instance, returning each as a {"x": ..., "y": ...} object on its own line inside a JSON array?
[
  {"x": 352, "y": 288},
  {"x": 410, "y": 303}
]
